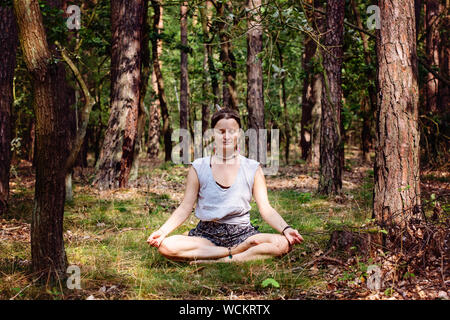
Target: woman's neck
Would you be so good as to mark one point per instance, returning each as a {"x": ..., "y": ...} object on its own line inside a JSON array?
[{"x": 230, "y": 157}]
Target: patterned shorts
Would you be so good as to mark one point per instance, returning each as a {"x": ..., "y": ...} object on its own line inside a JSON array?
[{"x": 223, "y": 234}]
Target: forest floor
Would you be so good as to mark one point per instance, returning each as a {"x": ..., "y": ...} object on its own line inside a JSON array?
[{"x": 105, "y": 236}]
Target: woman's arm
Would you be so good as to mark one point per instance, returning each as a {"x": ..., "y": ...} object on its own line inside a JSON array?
[
  {"x": 181, "y": 213},
  {"x": 269, "y": 214}
]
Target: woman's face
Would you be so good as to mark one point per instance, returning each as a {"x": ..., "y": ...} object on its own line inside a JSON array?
[{"x": 226, "y": 133}]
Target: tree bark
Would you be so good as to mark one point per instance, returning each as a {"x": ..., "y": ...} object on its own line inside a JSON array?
[
  {"x": 331, "y": 133},
  {"x": 227, "y": 57},
  {"x": 444, "y": 61},
  {"x": 283, "y": 104},
  {"x": 117, "y": 152},
  {"x": 316, "y": 117},
  {"x": 145, "y": 75},
  {"x": 209, "y": 72},
  {"x": 370, "y": 106},
  {"x": 8, "y": 47},
  {"x": 184, "y": 77},
  {"x": 154, "y": 125},
  {"x": 305, "y": 131},
  {"x": 396, "y": 171},
  {"x": 158, "y": 87},
  {"x": 47, "y": 244},
  {"x": 255, "y": 89},
  {"x": 432, "y": 19}
]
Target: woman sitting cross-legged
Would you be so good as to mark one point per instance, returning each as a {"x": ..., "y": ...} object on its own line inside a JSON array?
[{"x": 222, "y": 186}]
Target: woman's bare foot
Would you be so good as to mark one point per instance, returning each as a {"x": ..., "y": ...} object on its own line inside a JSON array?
[{"x": 247, "y": 244}]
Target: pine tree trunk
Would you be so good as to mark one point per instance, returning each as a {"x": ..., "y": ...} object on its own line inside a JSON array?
[
  {"x": 305, "y": 131},
  {"x": 226, "y": 56},
  {"x": 207, "y": 73},
  {"x": 158, "y": 83},
  {"x": 8, "y": 46},
  {"x": 444, "y": 61},
  {"x": 432, "y": 19},
  {"x": 283, "y": 103},
  {"x": 331, "y": 133},
  {"x": 117, "y": 152},
  {"x": 47, "y": 244},
  {"x": 369, "y": 107},
  {"x": 154, "y": 126},
  {"x": 255, "y": 95},
  {"x": 316, "y": 117},
  {"x": 145, "y": 75},
  {"x": 397, "y": 180},
  {"x": 184, "y": 77}
]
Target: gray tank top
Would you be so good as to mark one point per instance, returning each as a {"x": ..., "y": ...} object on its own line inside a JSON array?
[{"x": 225, "y": 205}]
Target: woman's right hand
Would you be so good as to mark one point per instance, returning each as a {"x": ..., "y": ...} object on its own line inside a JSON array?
[{"x": 156, "y": 238}]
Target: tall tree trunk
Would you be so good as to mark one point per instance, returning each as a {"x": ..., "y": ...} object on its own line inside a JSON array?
[
  {"x": 305, "y": 131},
  {"x": 432, "y": 19},
  {"x": 227, "y": 57},
  {"x": 213, "y": 72},
  {"x": 255, "y": 93},
  {"x": 370, "y": 107},
  {"x": 283, "y": 103},
  {"x": 154, "y": 126},
  {"x": 145, "y": 75},
  {"x": 184, "y": 78},
  {"x": 331, "y": 133},
  {"x": 158, "y": 83},
  {"x": 47, "y": 244},
  {"x": 66, "y": 98},
  {"x": 397, "y": 181},
  {"x": 8, "y": 46},
  {"x": 316, "y": 117},
  {"x": 315, "y": 96},
  {"x": 117, "y": 152},
  {"x": 444, "y": 60},
  {"x": 208, "y": 74}
]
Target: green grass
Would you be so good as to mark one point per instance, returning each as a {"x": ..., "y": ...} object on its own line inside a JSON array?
[{"x": 108, "y": 242}]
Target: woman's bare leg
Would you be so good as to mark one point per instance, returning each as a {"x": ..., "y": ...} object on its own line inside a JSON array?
[
  {"x": 265, "y": 245},
  {"x": 181, "y": 247}
]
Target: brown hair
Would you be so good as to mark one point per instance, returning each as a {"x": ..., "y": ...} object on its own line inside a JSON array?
[{"x": 225, "y": 113}]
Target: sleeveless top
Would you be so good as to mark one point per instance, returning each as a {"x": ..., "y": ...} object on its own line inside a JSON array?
[{"x": 225, "y": 205}]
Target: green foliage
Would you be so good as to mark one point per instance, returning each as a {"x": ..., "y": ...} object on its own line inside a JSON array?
[{"x": 270, "y": 282}]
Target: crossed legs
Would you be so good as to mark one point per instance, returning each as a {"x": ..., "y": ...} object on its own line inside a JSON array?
[{"x": 201, "y": 250}]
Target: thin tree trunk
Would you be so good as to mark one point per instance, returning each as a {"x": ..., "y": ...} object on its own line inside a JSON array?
[
  {"x": 145, "y": 75},
  {"x": 154, "y": 127},
  {"x": 283, "y": 103},
  {"x": 331, "y": 133},
  {"x": 8, "y": 47},
  {"x": 227, "y": 57},
  {"x": 444, "y": 60},
  {"x": 207, "y": 73},
  {"x": 369, "y": 109},
  {"x": 154, "y": 121},
  {"x": 432, "y": 19},
  {"x": 255, "y": 94},
  {"x": 47, "y": 244},
  {"x": 316, "y": 117},
  {"x": 305, "y": 131},
  {"x": 318, "y": 23},
  {"x": 396, "y": 171},
  {"x": 184, "y": 77},
  {"x": 117, "y": 152}
]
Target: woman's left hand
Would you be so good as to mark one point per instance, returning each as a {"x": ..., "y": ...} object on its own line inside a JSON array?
[{"x": 293, "y": 236}]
